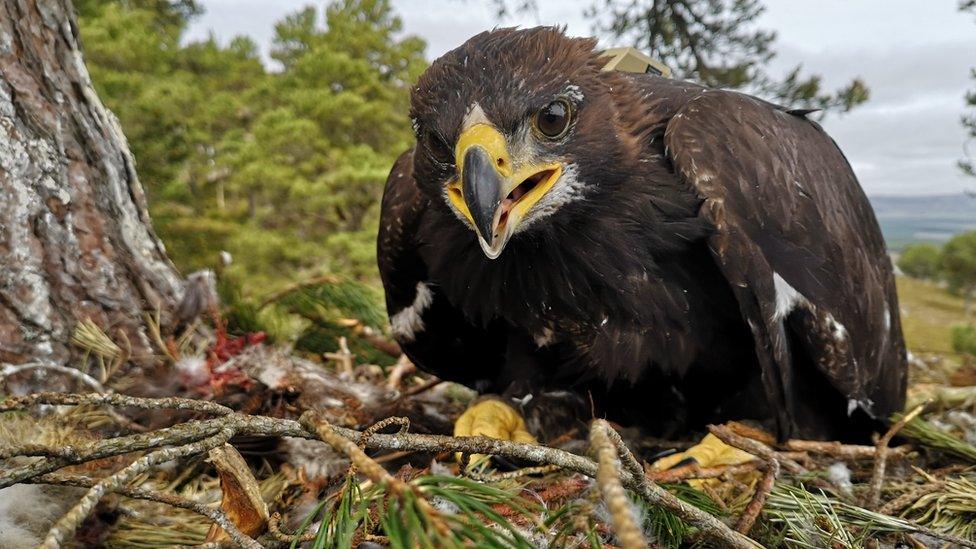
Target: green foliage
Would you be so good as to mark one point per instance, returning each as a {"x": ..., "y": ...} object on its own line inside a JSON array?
[
  {"x": 964, "y": 339},
  {"x": 668, "y": 529},
  {"x": 715, "y": 42},
  {"x": 813, "y": 519},
  {"x": 921, "y": 261},
  {"x": 468, "y": 513},
  {"x": 927, "y": 434},
  {"x": 472, "y": 519},
  {"x": 959, "y": 264},
  {"x": 312, "y": 315},
  {"x": 968, "y": 164},
  {"x": 283, "y": 169}
]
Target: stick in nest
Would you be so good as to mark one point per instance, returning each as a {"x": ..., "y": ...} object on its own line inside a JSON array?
[
  {"x": 754, "y": 447},
  {"x": 755, "y": 506},
  {"x": 212, "y": 513},
  {"x": 608, "y": 478},
  {"x": 881, "y": 456},
  {"x": 66, "y": 526},
  {"x": 199, "y": 436}
]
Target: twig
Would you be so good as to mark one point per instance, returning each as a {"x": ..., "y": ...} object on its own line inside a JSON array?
[
  {"x": 881, "y": 456},
  {"x": 343, "y": 357},
  {"x": 11, "y": 369},
  {"x": 276, "y": 427},
  {"x": 426, "y": 386},
  {"x": 212, "y": 513},
  {"x": 474, "y": 474},
  {"x": 765, "y": 486},
  {"x": 754, "y": 447},
  {"x": 896, "y": 505},
  {"x": 695, "y": 471},
  {"x": 274, "y": 528},
  {"x": 608, "y": 478},
  {"x": 65, "y": 527},
  {"x": 183, "y": 433},
  {"x": 402, "y": 422},
  {"x": 38, "y": 450},
  {"x": 844, "y": 451},
  {"x": 402, "y": 368},
  {"x": 655, "y": 495},
  {"x": 372, "y": 470},
  {"x": 72, "y": 399},
  {"x": 393, "y": 456}
]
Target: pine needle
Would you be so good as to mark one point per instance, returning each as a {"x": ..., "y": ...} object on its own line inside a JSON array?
[
  {"x": 951, "y": 509},
  {"x": 927, "y": 434},
  {"x": 669, "y": 530},
  {"x": 815, "y": 520}
]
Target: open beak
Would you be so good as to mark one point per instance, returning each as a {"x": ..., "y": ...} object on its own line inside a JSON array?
[{"x": 490, "y": 194}]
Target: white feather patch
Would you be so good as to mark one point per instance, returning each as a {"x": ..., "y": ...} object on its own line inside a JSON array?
[
  {"x": 574, "y": 93},
  {"x": 475, "y": 115},
  {"x": 545, "y": 338},
  {"x": 787, "y": 298},
  {"x": 838, "y": 329},
  {"x": 407, "y": 323}
]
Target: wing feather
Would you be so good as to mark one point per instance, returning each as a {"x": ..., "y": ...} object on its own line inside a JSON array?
[{"x": 798, "y": 241}]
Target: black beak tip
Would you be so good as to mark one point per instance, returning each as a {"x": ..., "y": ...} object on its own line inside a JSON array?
[{"x": 482, "y": 185}]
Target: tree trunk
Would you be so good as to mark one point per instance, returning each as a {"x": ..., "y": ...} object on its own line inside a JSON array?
[{"x": 75, "y": 237}]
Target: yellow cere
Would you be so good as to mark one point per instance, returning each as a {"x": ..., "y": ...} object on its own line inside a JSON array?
[{"x": 490, "y": 139}]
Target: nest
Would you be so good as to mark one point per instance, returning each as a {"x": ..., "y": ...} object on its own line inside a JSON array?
[{"x": 349, "y": 454}]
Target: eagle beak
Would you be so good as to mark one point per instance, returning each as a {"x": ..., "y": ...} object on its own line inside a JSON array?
[{"x": 492, "y": 195}]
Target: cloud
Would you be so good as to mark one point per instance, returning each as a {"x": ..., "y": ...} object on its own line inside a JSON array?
[{"x": 905, "y": 140}]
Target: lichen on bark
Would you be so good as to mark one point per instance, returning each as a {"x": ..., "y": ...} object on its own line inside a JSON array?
[{"x": 76, "y": 240}]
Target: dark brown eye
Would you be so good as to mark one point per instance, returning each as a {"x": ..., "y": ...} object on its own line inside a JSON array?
[
  {"x": 439, "y": 150},
  {"x": 553, "y": 120}
]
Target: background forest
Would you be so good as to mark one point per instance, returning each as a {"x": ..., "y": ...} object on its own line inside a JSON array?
[
  {"x": 282, "y": 169},
  {"x": 281, "y": 165}
]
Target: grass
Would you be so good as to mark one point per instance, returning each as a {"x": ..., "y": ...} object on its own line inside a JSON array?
[{"x": 928, "y": 314}]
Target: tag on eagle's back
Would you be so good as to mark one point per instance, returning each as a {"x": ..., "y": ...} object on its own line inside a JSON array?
[{"x": 633, "y": 60}]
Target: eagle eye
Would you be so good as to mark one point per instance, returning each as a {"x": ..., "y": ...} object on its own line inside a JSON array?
[
  {"x": 552, "y": 121},
  {"x": 438, "y": 149}
]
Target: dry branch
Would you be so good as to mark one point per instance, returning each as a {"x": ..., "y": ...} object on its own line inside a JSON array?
[
  {"x": 608, "y": 478},
  {"x": 695, "y": 471},
  {"x": 881, "y": 456},
  {"x": 66, "y": 526},
  {"x": 198, "y": 436},
  {"x": 896, "y": 505},
  {"x": 214, "y": 514},
  {"x": 755, "y": 448},
  {"x": 843, "y": 451},
  {"x": 11, "y": 369},
  {"x": 274, "y": 528},
  {"x": 180, "y": 434},
  {"x": 765, "y": 486}
]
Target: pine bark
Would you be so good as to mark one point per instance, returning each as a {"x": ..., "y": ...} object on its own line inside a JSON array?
[{"x": 76, "y": 240}]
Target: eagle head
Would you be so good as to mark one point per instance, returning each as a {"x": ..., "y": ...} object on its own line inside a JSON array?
[{"x": 517, "y": 125}]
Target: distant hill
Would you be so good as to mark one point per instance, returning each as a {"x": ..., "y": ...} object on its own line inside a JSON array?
[{"x": 933, "y": 218}]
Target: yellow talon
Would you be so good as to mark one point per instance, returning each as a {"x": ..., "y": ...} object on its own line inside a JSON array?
[
  {"x": 710, "y": 452},
  {"x": 492, "y": 418}
]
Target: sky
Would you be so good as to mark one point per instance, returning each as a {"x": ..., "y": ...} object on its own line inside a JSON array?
[{"x": 914, "y": 56}]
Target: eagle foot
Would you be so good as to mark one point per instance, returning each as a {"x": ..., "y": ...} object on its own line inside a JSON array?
[
  {"x": 491, "y": 418},
  {"x": 710, "y": 452}
]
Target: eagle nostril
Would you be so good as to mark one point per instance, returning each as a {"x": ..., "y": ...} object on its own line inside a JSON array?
[{"x": 500, "y": 162}]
